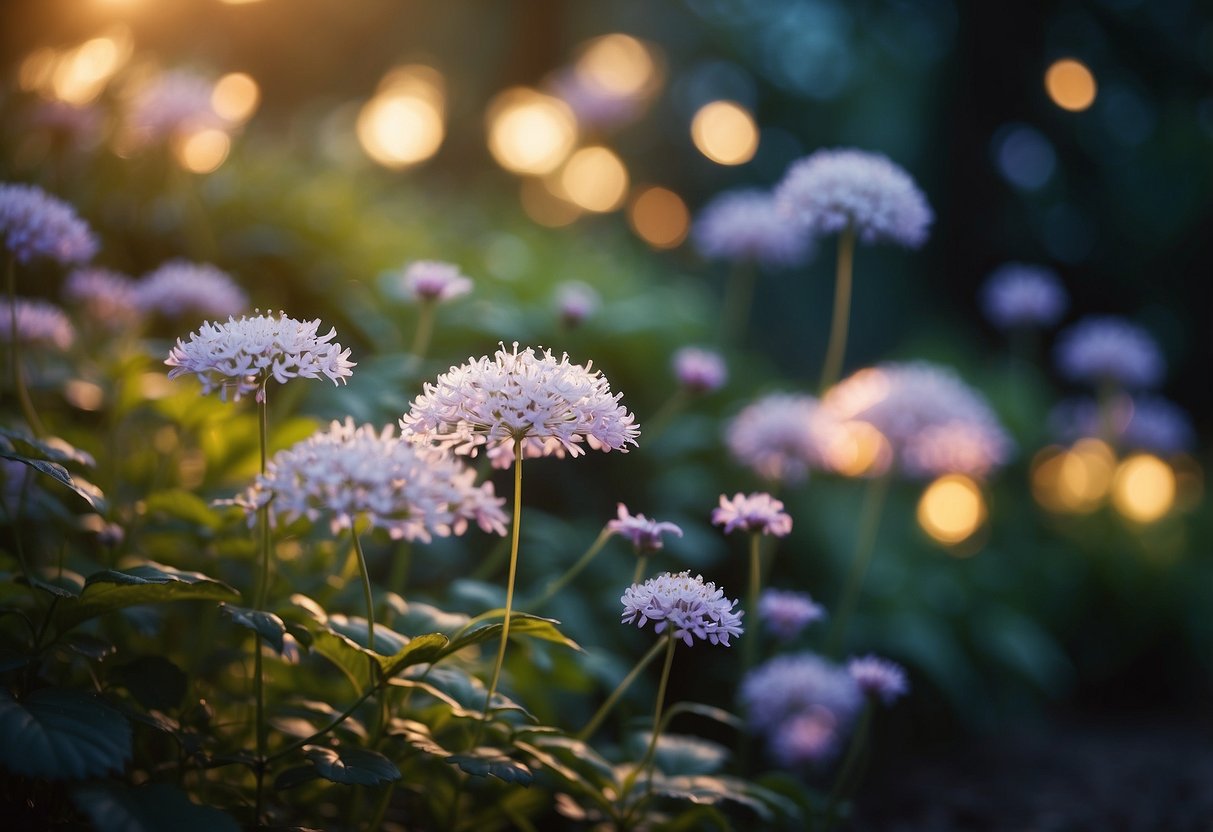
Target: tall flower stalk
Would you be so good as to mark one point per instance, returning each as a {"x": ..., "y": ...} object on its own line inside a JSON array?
[
  {"x": 509, "y": 587},
  {"x": 831, "y": 370}
]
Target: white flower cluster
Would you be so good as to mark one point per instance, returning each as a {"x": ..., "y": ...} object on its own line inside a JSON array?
[
  {"x": 550, "y": 405},
  {"x": 692, "y": 607},
  {"x": 346, "y": 473},
  {"x": 241, "y": 355}
]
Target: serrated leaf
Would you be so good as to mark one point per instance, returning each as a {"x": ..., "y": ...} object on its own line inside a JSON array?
[
  {"x": 486, "y": 762},
  {"x": 156, "y": 683},
  {"x": 352, "y": 766},
  {"x": 62, "y": 734},
  {"x": 116, "y": 808},
  {"x": 148, "y": 583},
  {"x": 521, "y": 624},
  {"x": 265, "y": 624}
]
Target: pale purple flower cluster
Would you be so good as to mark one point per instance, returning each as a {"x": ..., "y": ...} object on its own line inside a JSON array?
[
  {"x": 934, "y": 422},
  {"x": 700, "y": 371},
  {"x": 107, "y": 297},
  {"x": 576, "y": 301},
  {"x": 348, "y": 472},
  {"x": 175, "y": 103},
  {"x": 38, "y": 324},
  {"x": 879, "y": 678},
  {"x": 1102, "y": 349},
  {"x": 833, "y": 190},
  {"x": 644, "y": 534},
  {"x": 430, "y": 281},
  {"x": 1143, "y": 422},
  {"x": 759, "y": 513},
  {"x": 787, "y": 613},
  {"x": 1023, "y": 295},
  {"x": 242, "y": 355},
  {"x": 690, "y": 607},
  {"x": 802, "y": 704},
  {"x": 551, "y": 406},
  {"x": 747, "y": 226},
  {"x": 34, "y": 224},
  {"x": 781, "y": 436},
  {"x": 179, "y": 288}
]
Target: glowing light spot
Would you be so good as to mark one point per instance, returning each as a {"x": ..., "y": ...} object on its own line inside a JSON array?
[
  {"x": 595, "y": 179},
  {"x": 203, "y": 151},
  {"x": 617, "y": 63},
  {"x": 239, "y": 2},
  {"x": 1144, "y": 488},
  {"x": 1070, "y": 84},
  {"x": 1074, "y": 481},
  {"x": 659, "y": 217},
  {"x": 529, "y": 132},
  {"x": 236, "y": 97},
  {"x": 859, "y": 450},
  {"x": 405, "y": 122},
  {"x": 83, "y": 395},
  {"x": 37, "y": 69},
  {"x": 951, "y": 509},
  {"x": 81, "y": 74},
  {"x": 546, "y": 208},
  {"x": 725, "y": 132}
]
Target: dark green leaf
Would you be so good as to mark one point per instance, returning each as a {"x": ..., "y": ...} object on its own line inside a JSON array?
[
  {"x": 297, "y": 776},
  {"x": 266, "y": 624},
  {"x": 117, "y": 808},
  {"x": 420, "y": 650},
  {"x": 682, "y": 754},
  {"x": 155, "y": 682},
  {"x": 89, "y": 646},
  {"x": 61, "y": 734},
  {"x": 149, "y": 583},
  {"x": 709, "y": 711},
  {"x": 463, "y": 693},
  {"x": 91, "y": 493},
  {"x": 352, "y": 660},
  {"x": 52, "y": 448},
  {"x": 183, "y": 505},
  {"x": 387, "y": 640},
  {"x": 64, "y": 584},
  {"x": 713, "y": 790},
  {"x": 352, "y": 766},
  {"x": 416, "y": 617},
  {"x": 483, "y": 762},
  {"x": 521, "y": 623}
]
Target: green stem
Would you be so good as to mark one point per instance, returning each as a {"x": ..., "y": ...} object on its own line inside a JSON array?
[
  {"x": 843, "y": 786},
  {"x": 869, "y": 526},
  {"x": 657, "y": 423},
  {"x": 342, "y": 717},
  {"x": 425, "y": 330},
  {"x": 574, "y": 570},
  {"x": 738, "y": 299},
  {"x": 263, "y": 518},
  {"x": 750, "y": 644},
  {"x": 366, "y": 589},
  {"x": 606, "y": 707},
  {"x": 400, "y": 568},
  {"x": 642, "y": 563},
  {"x": 646, "y": 765},
  {"x": 509, "y": 591},
  {"x": 259, "y": 696},
  {"x": 832, "y": 369}
]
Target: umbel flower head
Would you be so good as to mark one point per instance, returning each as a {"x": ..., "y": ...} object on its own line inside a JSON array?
[
  {"x": 347, "y": 473},
  {"x": 106, "y": 297},
  {"x": 38, "y": 324},
  {"x": 758, "y": 513},
  {"x": 242, "y": 355},
  {"x": 832, "y": 190},
  {"x": 786, "y": 613},
  {"x": 700, "y": 371},
  {"x": 430, "y": 281},
  {"x": 690, "y": 606},
  {"x": 934, "y": 422},
  {"x": 879, "y": 678},
  {"x": 1021, "y": 295},
  {"x": 645, "y": 534},
  {"x": 34, "y": 224},
  {"x": 551, "y": 406},
  {"x": 179, "y": 288},
  {"x": 747, "y": 226},
  {"x": 781, "y": 436},
  {"x": 1102, "y": 349}
]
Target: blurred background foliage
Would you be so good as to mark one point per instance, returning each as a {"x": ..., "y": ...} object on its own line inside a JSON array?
[{"x": 1037, "y": 610}]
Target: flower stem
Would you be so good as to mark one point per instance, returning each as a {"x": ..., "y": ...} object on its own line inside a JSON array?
[
  {"x": 574, "y": 570},
  {"x": 642, "y": 563},
  {"x": 400, "y": 568},
  {"x": 366, "y": 589},
  {"x": 832, "y": 368},
  {"x": 606, "y": 707},
  {"x": 509, "y": 591},
  {"x": 14, "y": 351},
  {"x": 869, "y": 526},
  {"x": 737, "y": 302},
  {"x": 425, "y": 330},
  {"x": 848, "y": 773},
  {"x": 751, "y": 643},
  {"x": 263, "y": 518},
  {"x": 646, "y": 764}
]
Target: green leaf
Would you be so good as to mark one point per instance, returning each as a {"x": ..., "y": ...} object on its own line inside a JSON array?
[
  {"x": 155, "y": 682},
  {"x": 64, "y": 584},
  {"x": 149, "y": 583},
  {"x": 52, "y": 448},
  {"x": 352, "y": 660},
  {"x": 683, "y": 754},
  {"x": 463, "y": 693},
  {"x": 91, "y": 493},
  {"x": 485, "y": 762},
  {"x": 713, "y": 790},
  {"x": 387, "y": 640},
  {"x": 336, "y": 641},
  {"x": 416, "y": 617},
  {"x": 352, "y": 766},
  {"x": 709, "y": 711},
  {"x": 61, "y": 734},
  {"x": 265, "y": 624},
  {"x": 183, "y": 505},
  {"x": 296, "y": 776},
  {"x": 521, "y": 623},
  {"x": 424, "y": 649},
  {"x": 117, "y": 808}
]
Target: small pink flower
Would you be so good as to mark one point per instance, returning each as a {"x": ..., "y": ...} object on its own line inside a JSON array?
[
  {"x": 430, "y": 281},
  {"x": 645, "y": 534},
  {"x": 758, "y": 512},
  {"x": 700, "y": 371}
]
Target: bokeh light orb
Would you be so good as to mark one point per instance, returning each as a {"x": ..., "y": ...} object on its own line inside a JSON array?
[
  {"x": 405, "y": 122},
  {"x": 951, "y": 509},
  {"x": 1144, "y": 488},
  {"x": 202, "y": 151},
  {"x": 236, "y": 97},
  {"x": 529, "y": 132},
  {"x": 1074, "y": 480},
  {"x": 617, "y": 63},
  {"x": 545, "y": 207},
  {"x": 1070, "y": 84},
  {"x": 725, "y": 132},
  {"x": 659, "y": 217},
  {"x": 595, "y": 179}
]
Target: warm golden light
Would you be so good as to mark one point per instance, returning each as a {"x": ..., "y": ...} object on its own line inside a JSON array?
[
  {"x": 37, "y": 69},
  {"x": 659, "y": 217},
  {"x": 1075, "y": 480},
  {"x": 203, "y": 151},
  {"x": 1144, "y": 488},
  {"x": 951, "y": 509},
  {"x": 81, "y": 74},
  {"x": 1070, "y": 84},
  {"x": 618, "y": 64},
  {"x": 400, "y": 131},
  {"x": 236, "y": 97},
  {"x": 546, "y": 208},
  {"x": 595, "y": 179},
  {"x": 856, "y": 449},
  {"x": 238, "y": 2},
  {"x": 530, "y": 132},
  {"x": 725, "y": 132}
]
